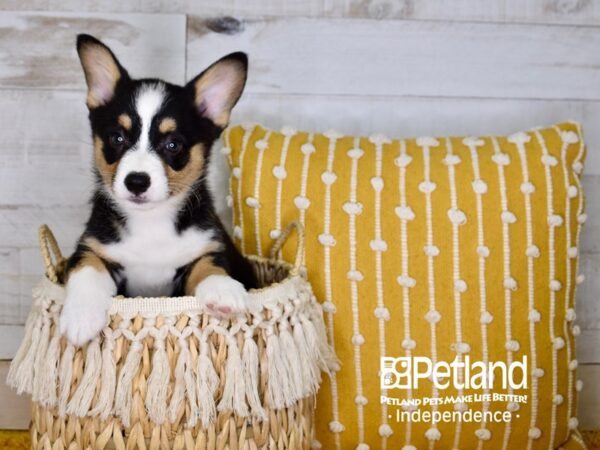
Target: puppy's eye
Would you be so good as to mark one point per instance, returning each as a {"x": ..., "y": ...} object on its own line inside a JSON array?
[
  {"x": 173, "y": 145},
  {"x": 116, "y": 140}
]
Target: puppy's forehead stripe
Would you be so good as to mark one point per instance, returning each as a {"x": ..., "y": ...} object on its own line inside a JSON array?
[
  {"x": 147, "y": 104},
  {"x": 167, "y": 125},
  {"x": 125, "y": 121}
]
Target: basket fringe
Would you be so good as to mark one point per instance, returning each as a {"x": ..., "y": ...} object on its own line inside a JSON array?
[
  {"x": 108, "y": 383},
  {"x": 21, "y": 373},
  {"x": 185, "y": 384},
  {"x": 49, "y": 374},
  {"x": 40, "y": 355},
  {"x": 278, "y": 382},
  {"x": 310, "y": 371},
  {"x": 250, "y": 367},
  {"x": 82, "y": 398},
  {"x": 316, "y": 337},
  {"x": 124, "y": 384},
  {"x": 291, "y": 363},
  {"x": 233, "y": 393},
  {"x": 65, "y": 376},
  {"x": 208, "y": 381},
  {"x": 158, "y": 383}
]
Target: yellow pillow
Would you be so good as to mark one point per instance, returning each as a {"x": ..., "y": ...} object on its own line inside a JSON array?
[{"x": 430, "y": 250}]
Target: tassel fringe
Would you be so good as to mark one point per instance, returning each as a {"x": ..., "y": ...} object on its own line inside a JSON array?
[
  {"x": 124, "y": 385},
  {"x": 108, "y": 383},
  {"x": 251, "y": 376},
  {"x": 158, "y": 384},
  {"x": 234, "y": 392},
  {"x": 207, "y": 384},
  {"x": 82, "y": 398}
]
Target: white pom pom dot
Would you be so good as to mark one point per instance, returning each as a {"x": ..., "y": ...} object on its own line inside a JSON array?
[
  {"x": 336, "y": 427},
  {"x": 433, "y": 434},
  {"x": 555, "y": 285},
  {"x": 406, "y": 281},
  {"x": 512, "y": 345},
  {"x": 358, "y": 339},
  {"x": 483, "y": 251},
  {"x": 486, "y": 317},
  {"x": 573, "y": 423},
  {"x": 460, "y": 285},
  {"x": 385, "y": 430},
  {"x": 408, "y": 344},
  {"x": 558, "y": 343},
  {"x": 483, "y": 434},
  {"x": 534, "y": 316},
  {"x": 433, "y": 316}
]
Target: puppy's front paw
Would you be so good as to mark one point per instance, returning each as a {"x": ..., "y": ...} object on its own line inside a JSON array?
[
  {"x": 223, "y": 294},
  {"x": 88, "y": 299}
]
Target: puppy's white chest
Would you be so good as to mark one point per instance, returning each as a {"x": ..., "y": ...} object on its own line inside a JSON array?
[{"x": 151, "y": 253}]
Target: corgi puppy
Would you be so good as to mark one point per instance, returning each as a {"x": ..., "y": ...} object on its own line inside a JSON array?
[{"x": 153, "y": 230}]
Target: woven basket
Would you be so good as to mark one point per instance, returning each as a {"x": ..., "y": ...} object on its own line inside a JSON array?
[{"x": 166, "y": 374}]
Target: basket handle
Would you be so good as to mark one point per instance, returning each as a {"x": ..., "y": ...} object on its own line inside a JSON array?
[
  {"x": 282, "y": 239},
  {"x": 51, "y": 253}
]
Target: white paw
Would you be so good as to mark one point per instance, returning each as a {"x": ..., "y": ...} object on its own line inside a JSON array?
[
  {"x": 222, "y": 294},
  {"x": 84, "y": 314}
]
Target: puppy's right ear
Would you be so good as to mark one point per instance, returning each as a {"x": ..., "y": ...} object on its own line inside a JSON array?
[{"x": 102, "y": 70}]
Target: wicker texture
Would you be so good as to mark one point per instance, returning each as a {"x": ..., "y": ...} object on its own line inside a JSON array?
[{"x": 166, "y": 374}]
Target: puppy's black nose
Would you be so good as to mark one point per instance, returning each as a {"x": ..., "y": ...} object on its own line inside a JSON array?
[{"x": 137, "y": 182}]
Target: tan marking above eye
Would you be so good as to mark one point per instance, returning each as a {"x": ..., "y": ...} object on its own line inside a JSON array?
[
  {"x": 107, "y": 171},
  {"x": 125, "y": 121},
  {"x": 181, "y": 180},
  {"x": 167, "y": 125}
]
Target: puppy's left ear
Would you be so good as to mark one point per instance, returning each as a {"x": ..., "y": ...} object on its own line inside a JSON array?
[{"x": 218, "y": 88}]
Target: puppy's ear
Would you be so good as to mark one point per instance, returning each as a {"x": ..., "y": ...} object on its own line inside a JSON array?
[
  {"x": 218, "y": 88},
  {"x": 102, "y": 70}
]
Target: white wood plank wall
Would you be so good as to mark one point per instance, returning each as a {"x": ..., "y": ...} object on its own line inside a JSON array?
[{"x": 401, "y": 67}]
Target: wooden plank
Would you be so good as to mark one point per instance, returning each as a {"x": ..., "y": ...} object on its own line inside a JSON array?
[
  {"x": 421, "y": 59},
  {"x": 588, "y": 306},
  {"x": 148, "y": 45},
  {"x": 47, "y": 186},
  {"x": 9, "y": 286},
  {"x": 287, "y": 8},
  {"x": 589, "y": 400},
  {"x": 20, "y": 271},
  {"x": 10, "y": 336},
  {"x": 531, "y": 11},
  {"x": 19, "y": 224},
  {"x": 44, "y": 128},
  {"x": 588, "y": 346},
  {"x": 591, "y": 184},
  {"x": 15, "y": 412}
]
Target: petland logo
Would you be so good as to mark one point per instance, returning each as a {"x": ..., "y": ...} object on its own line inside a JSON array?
[{"x": 406, "y": 372}]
